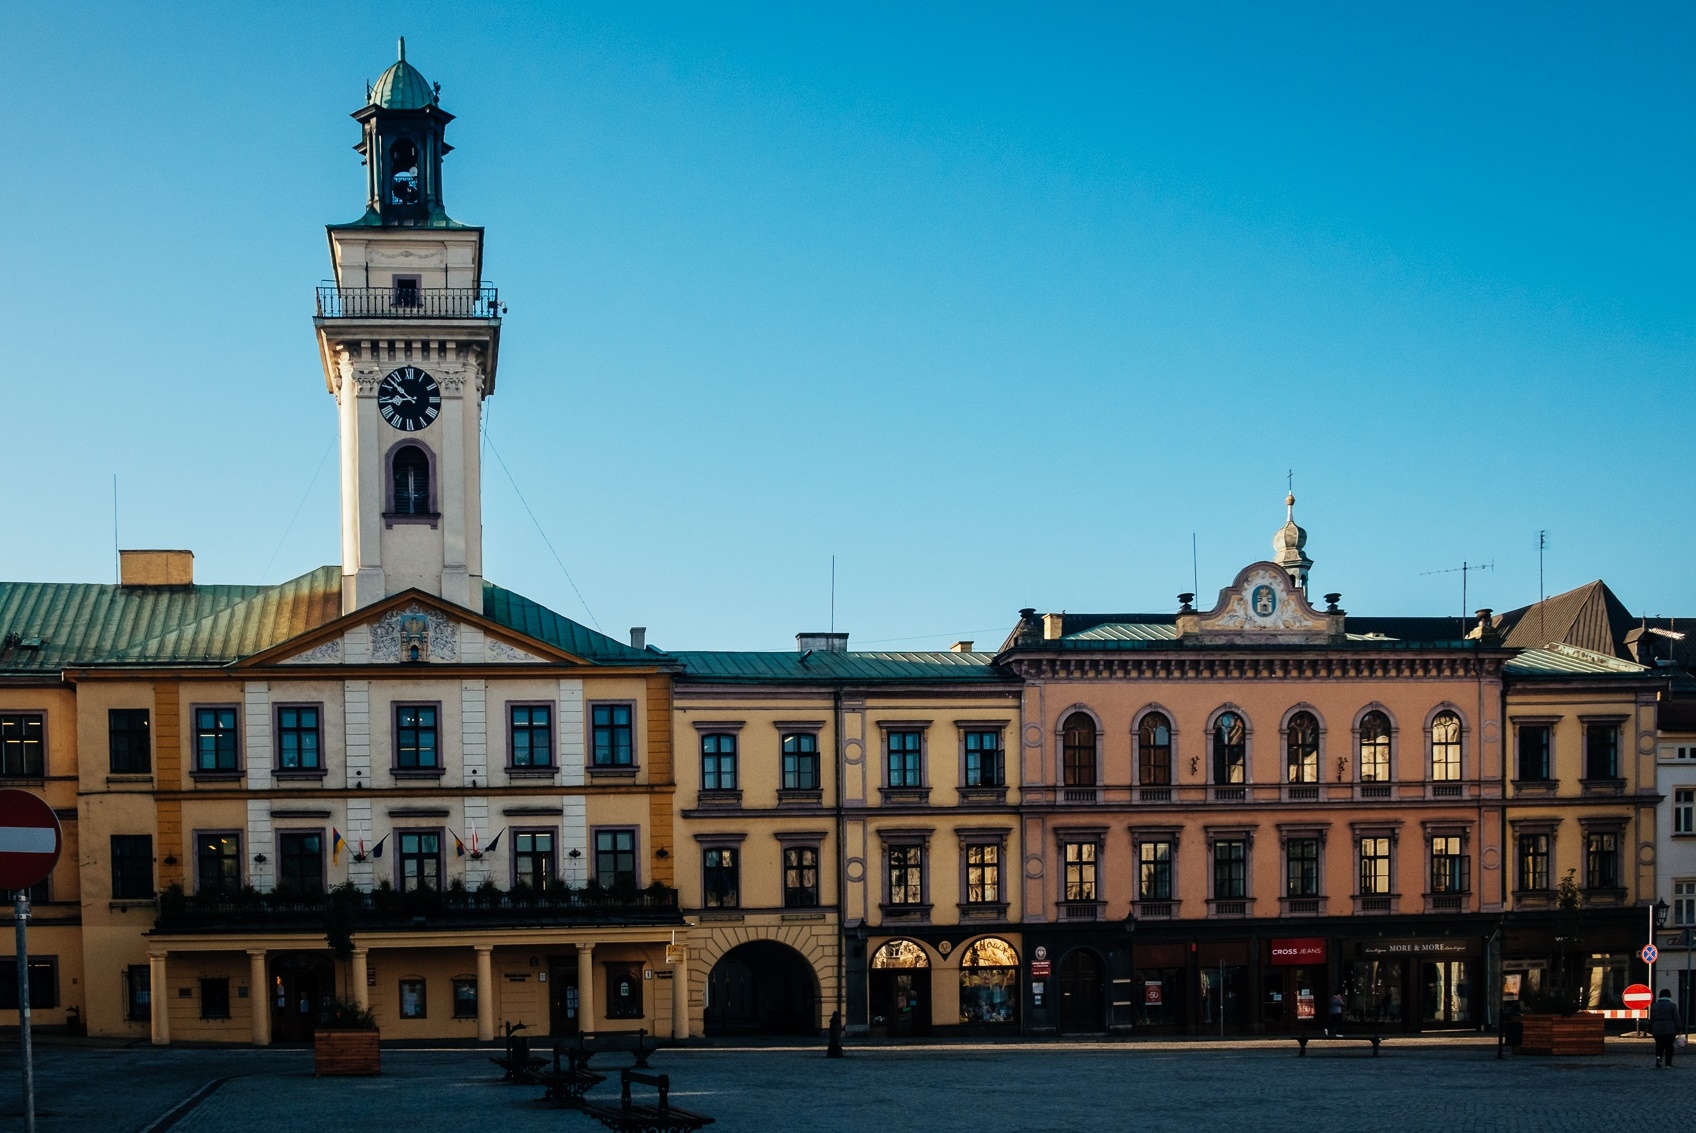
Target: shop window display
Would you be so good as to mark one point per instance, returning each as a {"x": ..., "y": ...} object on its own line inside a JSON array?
[
  {"x": 1372, "y": 991},
  {"x": 989, "y": 983}
]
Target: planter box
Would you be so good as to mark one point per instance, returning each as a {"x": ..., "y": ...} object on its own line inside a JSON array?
[
  {"x": 346, "y": 1053},
  {"x": 1560, "y": 1034}
]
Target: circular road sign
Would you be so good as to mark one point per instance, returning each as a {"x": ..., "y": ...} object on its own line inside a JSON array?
[
  {"x": 1638, "y": 996},
  {"x": 1650, "y": 954},
  {"x": 29, "y": 839}
]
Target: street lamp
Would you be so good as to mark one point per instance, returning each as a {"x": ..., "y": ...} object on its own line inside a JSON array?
[{"x": 1661, "y": 910}]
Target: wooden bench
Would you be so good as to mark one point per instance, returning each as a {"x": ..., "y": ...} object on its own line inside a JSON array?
[
  {"x": 633, "y": 1043},
  {"x": 1374, "y": 1038},
  {"x": 627, "y": 1117},
  {"x": 518, "y": 1063},
  {"x": 565, "y": 1085}
]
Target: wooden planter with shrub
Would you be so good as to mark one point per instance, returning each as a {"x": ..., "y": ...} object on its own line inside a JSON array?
[
  {"x": 1560, "y": 1034},
  {"x": 346, "y": 1042}
]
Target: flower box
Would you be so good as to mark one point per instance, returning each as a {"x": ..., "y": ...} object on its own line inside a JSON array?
[
  {"x": 1560, "y": 1034},
  {"x": 346, "y": 1053}
]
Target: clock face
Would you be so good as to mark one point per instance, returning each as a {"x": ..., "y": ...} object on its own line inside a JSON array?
[{"x": 409, "y": 399}]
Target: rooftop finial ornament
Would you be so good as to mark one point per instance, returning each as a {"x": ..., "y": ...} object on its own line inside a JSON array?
[{"x": 403, "y": 49}]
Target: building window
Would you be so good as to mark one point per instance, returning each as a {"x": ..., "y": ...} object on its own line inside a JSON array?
[
  {"x": 300, "y": 861},
  {"x": 43, "y": 983},
  {"x": 906, "y": 874},
  {"x": 1154, "y": 751},
  {"x": 412, "y": 999},
  {"x": 22, "y": 746},
  {"x": 412, "y": 481},
  {"x": 1301, "y": 867},
  {"x": 614, "y": 735},
  {"x": 1451, "y": 870},
  {"x": 800, "y": 877},
  {"x": 983, "y": 874},
  {"x": 215, "y": 739},
  {"x": 464, "y": 998},
  {"x": 219, "y": 859},
  {"x": 624, "y": 992},
  {"x": 1601, "y": 860},
  {"x": 130, "y": 743},
  {"x": 298, "y": 736},
  {"x": 1230, "y": 870},
  {"x": 1684, "y": 903},
  {"x": 1301, "y": 749},
  {"x": 1445, "y": 747},
  {"x": 533, "y": 859},
  {"x": 416, "y": 737},
  {"x": 132, "y": 867},
  {"x": 1078, "y": 750},
  {"x": 1601, "y": 751},
  {"x": 801, "y": 762},
  {"x": 1081, "y": 876},
  {"x": 215, "y": 998},
  {"x": 1534, "y": 874},
  {"x": 904, "y": 758},
  {"x": 1534, "y": 764},
  {"x": 989, "y": 983},
  {"x": 420, "y": 860},
  {"x": 615, "y": 859},
  {"x": 138, "y": 992},
  {"x": 1684, "y": 810},
  {"x": 984, "y": 761},
  {"x": 531, "y": 730},
  {"x": 1230, "y": 749},
  {"x": 718, "y": 762},
  {"x": 1375, "y": 748},
  {"x": 1374, "y": 867},
  {"x": 721, "y": 878},
  {"x": 1154, "y": 871}
]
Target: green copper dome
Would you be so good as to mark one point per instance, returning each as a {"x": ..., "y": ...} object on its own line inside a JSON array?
[{"x": 402, "y": 87}]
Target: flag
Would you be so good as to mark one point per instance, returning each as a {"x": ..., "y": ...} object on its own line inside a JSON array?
[
  {"x": 494, "y": 841},
  {"x": 458, "y": 846},
  {"x": 377, "y": 850},
  {"x": 337, "y": 845}
]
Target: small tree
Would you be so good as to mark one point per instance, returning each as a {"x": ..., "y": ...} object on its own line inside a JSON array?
[{"x": 1567, "y": 991}]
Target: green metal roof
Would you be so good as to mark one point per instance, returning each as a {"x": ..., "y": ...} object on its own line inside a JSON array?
[
  {"x": 817, "y": 666},
  {"x": 401, "y": 87},
  {"x": 1126, "y": 631},
  {"x": 271, "y": 616},
  {"x": 1558, "y": 660},
  {"x": 516, "y": 612}
]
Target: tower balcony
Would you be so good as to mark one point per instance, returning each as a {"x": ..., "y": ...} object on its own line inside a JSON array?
[{"x": 405, "y": 301}]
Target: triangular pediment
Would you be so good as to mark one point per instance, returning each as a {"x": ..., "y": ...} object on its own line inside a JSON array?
[
  {"x": 1262, "y": 605},
  {"x": 412, "y": 628}
]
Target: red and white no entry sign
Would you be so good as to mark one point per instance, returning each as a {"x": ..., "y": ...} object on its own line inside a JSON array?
[
  {"x": 29, "y": 839},
  {"x": 1638, "y": 996}
]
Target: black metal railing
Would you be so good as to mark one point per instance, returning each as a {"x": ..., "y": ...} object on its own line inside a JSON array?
[
  {"x": 390, "y": 909},
  {"x": 409, "y": 302}
]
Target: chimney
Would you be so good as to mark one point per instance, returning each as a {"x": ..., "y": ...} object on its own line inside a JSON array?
[
  {"x": 638, "y": 637},
  {"x": 821, "y": 643},
  {"x": 960, "y": 647},
  {"x": 156, "y": 568},
  {"x": 1053, "y": 627}
]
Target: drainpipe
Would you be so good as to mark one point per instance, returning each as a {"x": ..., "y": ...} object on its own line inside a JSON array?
[{"x": 841, "y": 860}]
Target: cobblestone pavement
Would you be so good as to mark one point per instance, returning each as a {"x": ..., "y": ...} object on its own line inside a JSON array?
[{"x": 1232, "y": 1087}]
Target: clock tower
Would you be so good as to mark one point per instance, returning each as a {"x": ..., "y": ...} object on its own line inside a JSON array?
[{"x": 409, "y": 335}]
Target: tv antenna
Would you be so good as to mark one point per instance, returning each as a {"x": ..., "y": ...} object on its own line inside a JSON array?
[{"x": 1463, "y": 570}]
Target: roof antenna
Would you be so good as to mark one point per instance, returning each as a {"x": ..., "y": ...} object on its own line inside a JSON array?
[
  {"x": 117, "y": 556},
  {"x": 1195, "y": 571},
  {"x": 833, "y": 594},
  {"x": 1463, "y": 569},
  {"x": 1542, "y": 542}
]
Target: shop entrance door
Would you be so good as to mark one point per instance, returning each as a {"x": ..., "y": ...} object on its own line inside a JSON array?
[
  {"x": 1294, "y": 998},
  {"x": 300, "y": 985},
  {"x": 1080, "y": 994},
  {"x": 1446, "y": 993},
  {"x": 562, "y": 997},
  {"x": 901, "y": 1000}
]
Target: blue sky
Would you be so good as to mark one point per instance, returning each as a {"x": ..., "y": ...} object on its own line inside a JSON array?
[{"x": 998, "y": 304}]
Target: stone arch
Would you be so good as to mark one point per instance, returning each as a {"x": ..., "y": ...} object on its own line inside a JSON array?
[{"x": 816, "y": 942}]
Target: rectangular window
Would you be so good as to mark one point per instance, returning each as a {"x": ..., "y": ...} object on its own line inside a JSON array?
[
  {"x": 219, "y": 859},
  {"x": 215, "y": 998},
  {"x": 215, "y": 747},
  {"x": 615, "y": 859},
  {"x": 903, "y": 758},
  {"x": 983, "y": 874},
  {"x": 1534, "y": 863},
  {"x": 300, "y": 861},
  {"x": 624, "y": 991},
  {"x": 298, "y": 738},
  {"x": 129, "y": 742},
  {"x": 416, "y": 737},
  {"x": 800, "y": 877},
  {"x": 1601, "y": 751},
  {"x": 1684, "y": 810},
  {"x": 420, "y": 860},
  {"x": 412, "y": 1001},
  {"x": 1080, "y": 859},
  {"x": 721, "y": 880},
  {"x": 1684, "y": 903},
  {"x": 406, "y": 289},
  {"x": 1154, "y": 871},
  {"x": 132, "y": 867},
  {"x": 906, "y": 875},
  {"x": 532, "y": 732},
  {"x": 801, "y": 762},
  {"x": 533, "y": 859},
  {"x": 22, "y": 745},
  {"x": 43, "y": 983},
  {"x": 1230, "y": 870},
  {"x": 1301, "y": 867},
  {"x": 1374, "y": 866},
  {"x": 464, "y": 999},
  {"x": 138, "y": 992},
  {"x": 1450, "y": 868},
  {"x": 984, "y": 759},
  {"x": 1601, "y": 860},
  {"x": 1534, "y": 764},
  {"x": 718, "y": 762},
  {"x": 614, "y": 736}
]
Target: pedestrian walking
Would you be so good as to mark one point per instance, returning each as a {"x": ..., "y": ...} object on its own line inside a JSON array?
[
  {"x": 1335, "y": 1020},
  {"x": 1666, "y": 1021}
]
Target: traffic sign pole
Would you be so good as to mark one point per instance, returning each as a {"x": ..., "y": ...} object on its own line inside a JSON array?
[
  {"x": 20, "y": 917},
  {"x": 30, "y": 842}
]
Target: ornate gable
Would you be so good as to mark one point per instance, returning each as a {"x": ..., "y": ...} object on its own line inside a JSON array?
[
  {"x": 410, "y": 631},
  {"x": 1261, "y": 607}
]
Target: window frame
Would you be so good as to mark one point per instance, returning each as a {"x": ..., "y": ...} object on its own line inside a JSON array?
[
  {"x": 713, "y": 763},
  {"x": 459, "y": 984},
  {"x": 1614, "y": 728},
  {"x": 551, "y": 877},
  {"x": 595, "y": 763},
  {"x": 1448, "y": 872},
  {"x": 800, "y": 759},
  {"x": 792, "y": 845},
  {"x": 323, "y": 880},
  {"x": 1304, "y": 839},
  {"x": 207, "y": 1001},
  {"x": 1312, "y": 752},
  {"x": 278, "y": 730},
  {"x": 989, "y": 878},
  {"x": 421, "y": 856},
  {"x": 133, "y": 862},
  {"x": 1150, "y": 866},
  {"x": 36, "y": 962},
  {"x": 1144, "y": 750},
  {"x": 990, "y": 775},
  {"x": 1240, "y": 862},
  {"x": 1520, "y": 728},
  {"x": 402, "y": 770},
  {"x": 917, "y": 777},
  {"x": 1388, "y": 858},
  {"x": 1387, "y": 741},
  {"x": 422, "y": 1000},
  {"x": 112, "y": 734},
  {"x": 721, "y": 873},
  {"x": 1594, "y": 857},
  {"x": 238, "y": 857},
  {"x": 595, "y": 836},
  {"x": 197, "y": 733},
  {"x": 22, "y": 717},
  {"x": 914, "y": 869},
  {"x": 1683, "y": 812},
  {"x": 1459, "y": 745},
  {"x": 392, "y": 514},
  {"x": 513, "y": 728},
  {"x": 1072, "y": 753},
  {"x": 1545, "y": 855},
  {"x": 1217, "y": 753},
  {"x": 632, "y": 971}
]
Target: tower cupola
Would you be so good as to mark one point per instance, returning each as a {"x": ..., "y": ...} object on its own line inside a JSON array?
[
  {"x": 403, "y": 147},
  {"x": 1289, "y": 546}
]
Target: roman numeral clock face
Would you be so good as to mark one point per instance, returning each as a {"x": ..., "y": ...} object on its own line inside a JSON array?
[{"x": 409, "y": 399}]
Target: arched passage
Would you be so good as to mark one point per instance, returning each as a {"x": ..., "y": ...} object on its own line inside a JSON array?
[{"x": 762, "y": 988}]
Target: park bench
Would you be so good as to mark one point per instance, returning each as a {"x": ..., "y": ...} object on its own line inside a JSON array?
[
  {"x": 565, "y": 1085},
  {"x": 1364, "y": 1037},
  {"x": 518, "y": 1063},
  {"x": 628, "y": 1117},
  {"x": 633, "y": 1043}
]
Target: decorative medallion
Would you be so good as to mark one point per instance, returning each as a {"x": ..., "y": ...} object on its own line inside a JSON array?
[{"x": 431, "y": 632}]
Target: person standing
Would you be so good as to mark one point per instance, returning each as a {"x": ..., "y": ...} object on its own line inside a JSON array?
[
  {"x": 1665, "y": 1023},
  {"x": 1335, "y": 1015}
]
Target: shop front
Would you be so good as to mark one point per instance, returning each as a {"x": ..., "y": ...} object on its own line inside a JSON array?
[
  {"x": 1431, "y": 983},
  {"x": 1295, "y": 984}
]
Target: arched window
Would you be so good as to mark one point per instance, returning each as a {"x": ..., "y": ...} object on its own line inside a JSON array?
[
  {"x": 1079, "y": 750},
  {"x": 1230, "y": 749},
  {"x": 900, "y": 954},
  {"x": 403, "y": 172},
  {"x": 1374, "y": 748},
  {"x": 1154, "y": 751},
  {"x": 1301, "y": 749},
  {"x": 1445, "y": 747},
  {"x": 989, "y": 983},
  {"x": 412, "y": 481}
]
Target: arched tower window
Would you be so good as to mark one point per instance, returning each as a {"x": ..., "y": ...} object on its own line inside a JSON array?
[
  {"x": 1079, "y": 750},
  {"x": 412, "y": 481},
  {"x": 1154, "y": 751},
  {"x": 403, "y": 172},
  {"x": 1301, "y": 748},
  {"x": 1375, "y": 748},
  {"x": 1445, "y": 747},
  {"x": 1230, "y": 749}
]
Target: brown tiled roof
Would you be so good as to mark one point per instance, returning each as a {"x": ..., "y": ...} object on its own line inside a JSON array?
[{"x": 1590, "y": 617}]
